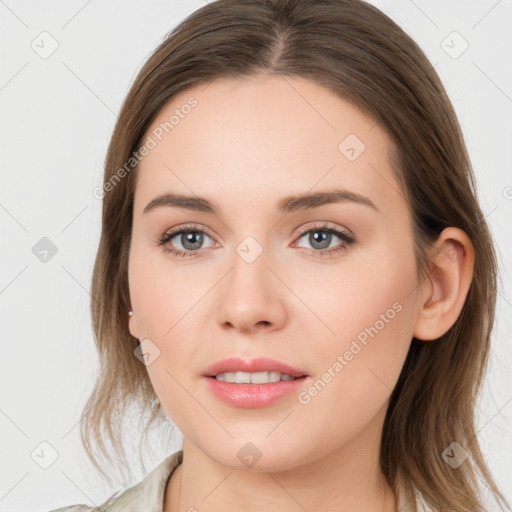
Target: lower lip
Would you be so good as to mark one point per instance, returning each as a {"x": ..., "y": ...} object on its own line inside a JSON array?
[{"x": 252, "y": 396}]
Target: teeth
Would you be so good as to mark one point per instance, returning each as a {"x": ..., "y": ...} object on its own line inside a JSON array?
[{"x": 253, "y": 378}]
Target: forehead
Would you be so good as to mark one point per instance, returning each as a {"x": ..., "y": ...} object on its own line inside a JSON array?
[{"x": 262, "y": 134}]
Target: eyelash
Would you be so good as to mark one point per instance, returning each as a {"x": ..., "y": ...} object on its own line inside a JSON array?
[{"x": 345, "y": 237}]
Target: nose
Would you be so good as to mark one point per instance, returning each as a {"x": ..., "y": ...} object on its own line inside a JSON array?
[{"x": 251, "y": 298}]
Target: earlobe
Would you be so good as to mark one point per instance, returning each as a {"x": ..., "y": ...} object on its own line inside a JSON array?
[
  {"x": 132, "y": 325},
  {"x": 444, "y": 292}
]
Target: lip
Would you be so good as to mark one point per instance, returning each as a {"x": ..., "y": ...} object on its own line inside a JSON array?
[
  {"x": 261, "y": 364},
  {"x": 252, "y": 396}
]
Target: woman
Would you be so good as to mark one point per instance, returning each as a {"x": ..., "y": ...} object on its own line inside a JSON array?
[{"x": 293, "y": 268}]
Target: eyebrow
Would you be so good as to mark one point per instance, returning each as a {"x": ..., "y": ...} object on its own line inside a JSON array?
[{"x": 288, "y": 204}]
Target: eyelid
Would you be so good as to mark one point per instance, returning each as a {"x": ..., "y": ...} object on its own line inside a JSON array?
[
  {"x": 303, "y": 229},
  {"x": 344, "y": 234},
  {"x": 188, "y": 227},
  {"x": 323, "y": 225}
]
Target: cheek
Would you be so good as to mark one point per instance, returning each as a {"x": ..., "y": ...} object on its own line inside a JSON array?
[
  {"x": 164, "y": 297},
  {"x": 358, "y": 367},
  {"x": 160, "y": 292},
  {"x": 369, "y": 311},
  {"x": 358, "y": 294}
]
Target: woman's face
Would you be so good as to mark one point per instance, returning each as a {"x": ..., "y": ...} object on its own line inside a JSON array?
[{"x": 262, "y": 277}]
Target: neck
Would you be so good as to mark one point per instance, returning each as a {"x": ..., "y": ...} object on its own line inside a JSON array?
[{"x": 345, "y": 479}]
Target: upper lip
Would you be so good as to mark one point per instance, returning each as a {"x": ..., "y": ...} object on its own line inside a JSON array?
[{"x": 261, "y": 364}]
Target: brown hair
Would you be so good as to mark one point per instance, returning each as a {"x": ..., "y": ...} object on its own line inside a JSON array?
[{"x": 360, "y": 54}]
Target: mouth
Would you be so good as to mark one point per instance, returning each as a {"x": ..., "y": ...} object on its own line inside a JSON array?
[
  {"x": 256, "y": 371},
  {"x": 255, "y": 383},
  {"x": 254, "y": 377},
  {"x": 253, "y": 395}
]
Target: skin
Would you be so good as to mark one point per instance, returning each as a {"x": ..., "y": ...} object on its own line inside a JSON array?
[{"x": 246, "y": 145}]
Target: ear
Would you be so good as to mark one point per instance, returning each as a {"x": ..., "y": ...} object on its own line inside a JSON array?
[{"x": 443, "y": 294}]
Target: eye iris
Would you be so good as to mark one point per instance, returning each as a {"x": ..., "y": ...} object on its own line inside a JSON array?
[
  {"x": 194, "y": 237},
  {"x": 324, "y": 236}
]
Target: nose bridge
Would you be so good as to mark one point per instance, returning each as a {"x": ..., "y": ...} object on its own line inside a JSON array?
[
  {"x": 250, "y": 296},
  {"x": 250, "y": 275}
]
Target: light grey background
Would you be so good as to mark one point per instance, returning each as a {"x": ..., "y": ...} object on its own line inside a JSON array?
[{"x": 56, "y": 118}]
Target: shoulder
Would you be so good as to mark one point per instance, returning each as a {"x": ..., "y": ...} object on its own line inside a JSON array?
[
  {"x": 122, "y": 501},
  {"x": 149, "y": 492}
]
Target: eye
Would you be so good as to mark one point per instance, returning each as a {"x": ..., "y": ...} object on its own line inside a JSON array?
[
  {"x": 190, "y": 238},
  {"x": 320, "y": 238}
]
